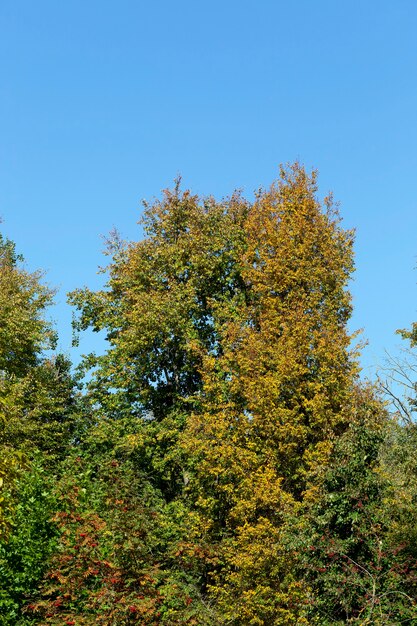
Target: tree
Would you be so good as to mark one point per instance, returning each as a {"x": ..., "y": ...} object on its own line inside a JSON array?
[
  {"x": 37, "y": 392},
  {"x": 225, "y": 465},
  {"x": 158, "y": 313},
  {"x": 358, "y": 568},
  {"x": 38, "y": 412},
  {"x": 24, "y": 333},
  {"x": 227, "y": 335},
  {"x": 275, "y": 399}
]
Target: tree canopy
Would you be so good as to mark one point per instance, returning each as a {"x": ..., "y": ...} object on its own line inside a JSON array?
[{"x": 225, "y": 463}]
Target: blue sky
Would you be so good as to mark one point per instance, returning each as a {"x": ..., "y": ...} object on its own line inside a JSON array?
[{"x": 104, "y": 103}]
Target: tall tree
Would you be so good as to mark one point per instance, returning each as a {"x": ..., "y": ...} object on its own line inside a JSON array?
[
  {"x": 228, "y": 344},
  {"x": 275, "y": 398}
]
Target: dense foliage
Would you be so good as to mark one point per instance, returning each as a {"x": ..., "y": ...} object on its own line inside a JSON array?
[{"x": 223, "y": 462}]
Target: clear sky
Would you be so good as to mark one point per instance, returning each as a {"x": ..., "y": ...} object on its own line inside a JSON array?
[{"x": 104, "y": 103}]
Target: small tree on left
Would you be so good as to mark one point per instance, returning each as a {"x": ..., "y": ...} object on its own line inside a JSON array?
[
  {"x": 36, "y": 390},
  {"x": 37, "y": 416}
]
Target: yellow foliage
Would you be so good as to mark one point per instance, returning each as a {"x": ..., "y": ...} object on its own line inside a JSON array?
[{"x": 274, "y": 396}]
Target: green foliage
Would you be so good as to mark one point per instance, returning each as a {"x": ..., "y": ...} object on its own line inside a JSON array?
[
  {"x": 159, "y": 303},
  {"x": 30, "y": 541},
  {"x": 24, "y": 332},
  {"x": 120, "y": 557},
  {"x": 359, "y": 570},
  {"x": 37, "y": 393},
  {"x": 42, "y": 409},
  {"x": 37, "y": 416}
]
